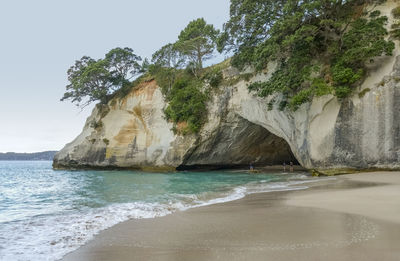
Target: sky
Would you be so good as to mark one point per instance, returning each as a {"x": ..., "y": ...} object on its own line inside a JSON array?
[{"x": 41, "y": 39}]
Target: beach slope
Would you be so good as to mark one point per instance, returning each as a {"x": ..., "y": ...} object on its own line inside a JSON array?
[{"x": 353, "y": 217}]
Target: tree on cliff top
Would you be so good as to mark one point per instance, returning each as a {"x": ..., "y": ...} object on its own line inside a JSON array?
[
  {"x": 319, "y": 46},
  {"x": 95, "y": 80},
  {"x": 197, "y": 41},
  {"x": 123, "y": 64},
  {"x": 168, "y": 57},
  {"x": 166, "y": 62}
]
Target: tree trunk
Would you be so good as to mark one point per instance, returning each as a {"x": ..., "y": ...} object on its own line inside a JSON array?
[{"x": 199, "y": 56}]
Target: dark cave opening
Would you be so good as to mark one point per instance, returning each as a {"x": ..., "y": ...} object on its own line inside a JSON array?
[{"x": 237, "y": 144}]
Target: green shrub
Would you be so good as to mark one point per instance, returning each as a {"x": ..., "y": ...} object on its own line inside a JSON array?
[
  {"x": 164, "y": 77},
  {"x": 363, "y": 92},
  {"x": 395, "y": 25},
  {"x": 375, "y": 14},
  {"x": 342, "y": 91},
  {"x": 345, "y": 75},
  {"x": 282, "y": 104},
  {"x": 300, "y": 98},
  {"x": 271, "y": 104},
  {"x": 106, "y": 141},
  {"x": 395, "y": 33},
  {"x": 321, "y": 87},
  {"x": 246, "y": 76},
  {"x": 187, "y": 103},
  {"x": 213, "y": 76},
  {"x": 396, "y": 12},
  {"x": 96, "y": 124}
]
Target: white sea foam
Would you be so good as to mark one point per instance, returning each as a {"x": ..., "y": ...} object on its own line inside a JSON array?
[{"x": 50, "y": 237}]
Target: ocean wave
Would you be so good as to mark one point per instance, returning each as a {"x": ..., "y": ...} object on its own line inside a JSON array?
[{"x": 50, "y": 237}]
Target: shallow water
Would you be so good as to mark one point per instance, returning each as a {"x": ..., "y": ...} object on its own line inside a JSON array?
[{"x": 45, "y": 214}]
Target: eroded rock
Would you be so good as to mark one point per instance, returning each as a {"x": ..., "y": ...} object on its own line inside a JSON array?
[{"x": 327, "y": 135}]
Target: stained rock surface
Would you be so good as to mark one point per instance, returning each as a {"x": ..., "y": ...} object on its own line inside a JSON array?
[{"x": 326, "y": 135}]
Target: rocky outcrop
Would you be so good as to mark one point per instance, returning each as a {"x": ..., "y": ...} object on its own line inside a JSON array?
[
  {"x": 127, "y": 133},
  {"x": 330, "y": 136},
  {"x": 325, "y": 135},
  {"x": 132, "y": 133}
]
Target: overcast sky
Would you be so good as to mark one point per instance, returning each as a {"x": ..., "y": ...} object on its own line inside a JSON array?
[{"x": 41, "y": 39}]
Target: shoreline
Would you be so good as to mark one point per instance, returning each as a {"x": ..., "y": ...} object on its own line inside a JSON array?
[
  {"x": 166, "y": 169},
  {"x": 303, "y": 224}
]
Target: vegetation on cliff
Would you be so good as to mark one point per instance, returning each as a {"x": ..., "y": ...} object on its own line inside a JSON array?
[
  {"x": 96, "y": 80},
  {"x": 320, "y": 47},
  {"x": 186, "y": 105},
  {"x": 178, "y": 70}
]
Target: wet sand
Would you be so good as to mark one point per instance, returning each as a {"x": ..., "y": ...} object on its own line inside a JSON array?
[{"x": 353, "y": 217}]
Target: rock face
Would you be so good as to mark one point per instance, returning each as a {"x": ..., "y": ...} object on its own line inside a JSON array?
[
  {"x": 326, "y": 135},
  {"x": 132, "y": 133},
  {"x": 127, "y": 133}
]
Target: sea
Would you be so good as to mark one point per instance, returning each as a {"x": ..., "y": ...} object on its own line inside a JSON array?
[{"x": 46, "y": 213}]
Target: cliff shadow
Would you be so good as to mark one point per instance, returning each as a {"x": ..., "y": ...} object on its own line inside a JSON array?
[{"x": 237, "y": 144}]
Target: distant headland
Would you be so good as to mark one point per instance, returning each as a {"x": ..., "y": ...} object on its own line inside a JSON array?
[{"x": 44, "y": 155}]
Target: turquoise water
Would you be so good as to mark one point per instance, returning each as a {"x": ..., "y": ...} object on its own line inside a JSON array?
[{"x": 45, "y": 214}]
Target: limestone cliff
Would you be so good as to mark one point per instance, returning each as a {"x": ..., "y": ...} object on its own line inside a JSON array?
[
  {"x": 326, "y": 135},
  {"x": 361, "y": 132}
]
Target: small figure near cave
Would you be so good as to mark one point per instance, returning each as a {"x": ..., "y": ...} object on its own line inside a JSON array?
[{"x": 291, "y": 166}]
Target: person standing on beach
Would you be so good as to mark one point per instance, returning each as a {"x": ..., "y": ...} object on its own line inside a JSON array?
[
  {"x": 284, "y": 166},
  {"x": 291, "y": 166},
  {"x": 251, "y": 166}
]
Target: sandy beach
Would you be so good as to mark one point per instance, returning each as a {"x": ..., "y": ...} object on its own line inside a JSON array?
[{"x": 349, "y": 217}]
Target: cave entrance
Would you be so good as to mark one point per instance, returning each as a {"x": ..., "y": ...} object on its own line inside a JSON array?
[{"x": 236, "y": 144}]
